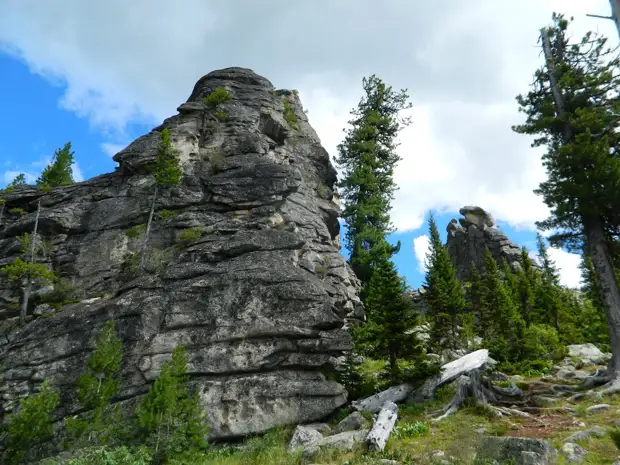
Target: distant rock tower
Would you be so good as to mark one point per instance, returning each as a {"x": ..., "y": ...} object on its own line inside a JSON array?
[{"x": 467, "y": 242}]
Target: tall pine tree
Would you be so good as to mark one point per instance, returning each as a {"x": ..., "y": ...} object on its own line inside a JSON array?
[
  {"x": 367, "y": 157},
  {"x": 572, "y": 109},
  {"x": 444, "y": 295}
]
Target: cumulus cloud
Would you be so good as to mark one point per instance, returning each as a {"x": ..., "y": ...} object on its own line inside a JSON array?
[
  {"x": 421, "y": 247},
  {"x": 568, "y": 266},
  {"x": 111, "y": 149},
  {"x": 463, "y": 63}
]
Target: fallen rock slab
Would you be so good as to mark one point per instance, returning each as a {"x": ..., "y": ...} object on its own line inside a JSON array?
[
  {"x": 596, "y": 431},
  {"x": 380, "y": 433},
  {"x": 522, "y": 451}
]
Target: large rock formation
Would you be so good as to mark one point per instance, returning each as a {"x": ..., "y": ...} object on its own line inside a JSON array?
[
  {"x": 467, "y": 242},
  {"x": 261, "y": 302}
]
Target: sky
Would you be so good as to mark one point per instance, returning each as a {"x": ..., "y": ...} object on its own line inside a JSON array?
[{"x": 103, "y": 72}]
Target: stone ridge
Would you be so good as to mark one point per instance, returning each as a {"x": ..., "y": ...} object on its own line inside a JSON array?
[
  {"x": 467, "y": 242},
  {"x": 261, "y": 302}
]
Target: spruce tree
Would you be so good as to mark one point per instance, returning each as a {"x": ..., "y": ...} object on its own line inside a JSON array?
[
  {"x": 572, "y": 109},
  {"x": 31, "y": 426},
  {"x": 526, "y": 279},
  {"x": 390, "y": 316},
  {"x": 444, "y": 295},
  {"x": 501, "y": 324},
  {"x": 59, "y": 172},
  {"x": 20, "y": 180},
  {"x": 367, "y": 157},
  {"x": 170, "y": 419},
  {"x": 168, "y": 173},
  {"x": 97, "y": 385}
]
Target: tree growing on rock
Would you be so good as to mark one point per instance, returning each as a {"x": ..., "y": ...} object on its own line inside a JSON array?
[
  {"x": 170, "y": 418},
  {"x": 28, "y": 272},
  {"x": 31, "y": 426},
  {"x": 97, "y": 385},
  {"x": 168, "y": 173},
  {"x": 367, "y": 157},
  {"x": 572, "y": 109},
  {"x": 444, "y": 295},
  {"x": 58, "y": 172}
]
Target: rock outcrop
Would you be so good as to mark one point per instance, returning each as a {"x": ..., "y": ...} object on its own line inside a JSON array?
[
  {"x": 261, "y": 302},
  {"x": 467, "y": 242}
]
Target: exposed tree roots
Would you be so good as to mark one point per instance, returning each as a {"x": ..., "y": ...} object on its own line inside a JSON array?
[{"x": 481, "y": 392}]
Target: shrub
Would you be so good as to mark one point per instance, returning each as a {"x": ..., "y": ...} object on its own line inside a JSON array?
[
  {"x": 321, "y": 271},
  {"x": 222, "y": 115},
  {"x": 63, "y": 293},
  {"x": 166, "y": 215},
  {"x": 31, "y": 426},
  {"x": 157, "y": 260},
  {"x": 289, "y": 114},
  {"x": 217, "y": 97},
  {"x": 106, "y": 456},
  {"x": 189, "y": 235},
  {"x": 18, "y": 211},
  {"x": 130, "y": 266},
  {"x": 541, "y": 342},
  {"x": 135, "y": 231}
]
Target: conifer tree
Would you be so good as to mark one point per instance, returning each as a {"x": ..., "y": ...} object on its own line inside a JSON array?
[
  {"x": 20, "y": 180},
  {"x": 168, "y": 173},
  {"x": 59, "y": 172},
  {"x": 547, "y": 293},
  {"x": 97, "y": 385},
  {"x": 28, "y": 272},
  {"x": 30, "y": 426},
  {"x": 367, "y": 157},
  {"x": 526, "y": 286},
  {"x": 390, "y": 316},
  {"x": 572, "y": 109},
  {"x": 501, "y": 324},
  {"x": 170, "y": 418},
  {"x": 444, "y": 295}
]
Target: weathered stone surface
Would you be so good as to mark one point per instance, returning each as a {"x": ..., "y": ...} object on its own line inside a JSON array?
[
  {"x": 261, "y": 302},
  {"x": 573, "y": 453},
  {"x": 587, "y": 353},
  {"x": 596, "y": 431},
  {"x": 522, "y": 451},
  {"x": 303, "y": 436},
  {"x": 351, "y": 422},
  {"x": 467, "y": 242}
]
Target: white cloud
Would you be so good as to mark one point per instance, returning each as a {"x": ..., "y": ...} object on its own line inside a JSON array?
[
  {"x": 111, "y": 149},
  {"x": 421, "y": 247},
  {"x": 77, "y": 172},
  {"x": 568, "y": 266}
]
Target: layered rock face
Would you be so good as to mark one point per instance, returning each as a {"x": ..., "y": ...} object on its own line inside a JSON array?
[
  {"x": 261, "y": 302},
  {"x": 467, "y": 242}
]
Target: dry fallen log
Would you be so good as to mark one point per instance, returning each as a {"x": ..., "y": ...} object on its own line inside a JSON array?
[
  {"x": 384, "y": 424},
  {"x": 375, "y": 402}
]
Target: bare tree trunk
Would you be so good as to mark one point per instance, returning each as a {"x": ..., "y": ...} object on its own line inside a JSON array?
[
  {"x": 27, "y": 289},
  {"x": 147, "y": 232},
  {"x": 608, "y": 288}
]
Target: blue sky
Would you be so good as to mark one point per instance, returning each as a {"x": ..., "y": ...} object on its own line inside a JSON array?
[{"x": 34, "y": 124}]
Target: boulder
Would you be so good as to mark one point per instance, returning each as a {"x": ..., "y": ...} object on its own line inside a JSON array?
[
  {"x": 477, "y": 216},
  {"x": 573, "y": 453},
  {"x": 303, "y": 436},
  {"x": 345, "y": 441},
  {"x": 596, "y": 431},
  {"x": 521, "y": 451},
  {"x": 261, "y": 300},
  {"x": 597, "y": 408},
  {"x": 352, "y": 422},
  {"x": 587, "y": 354}
]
